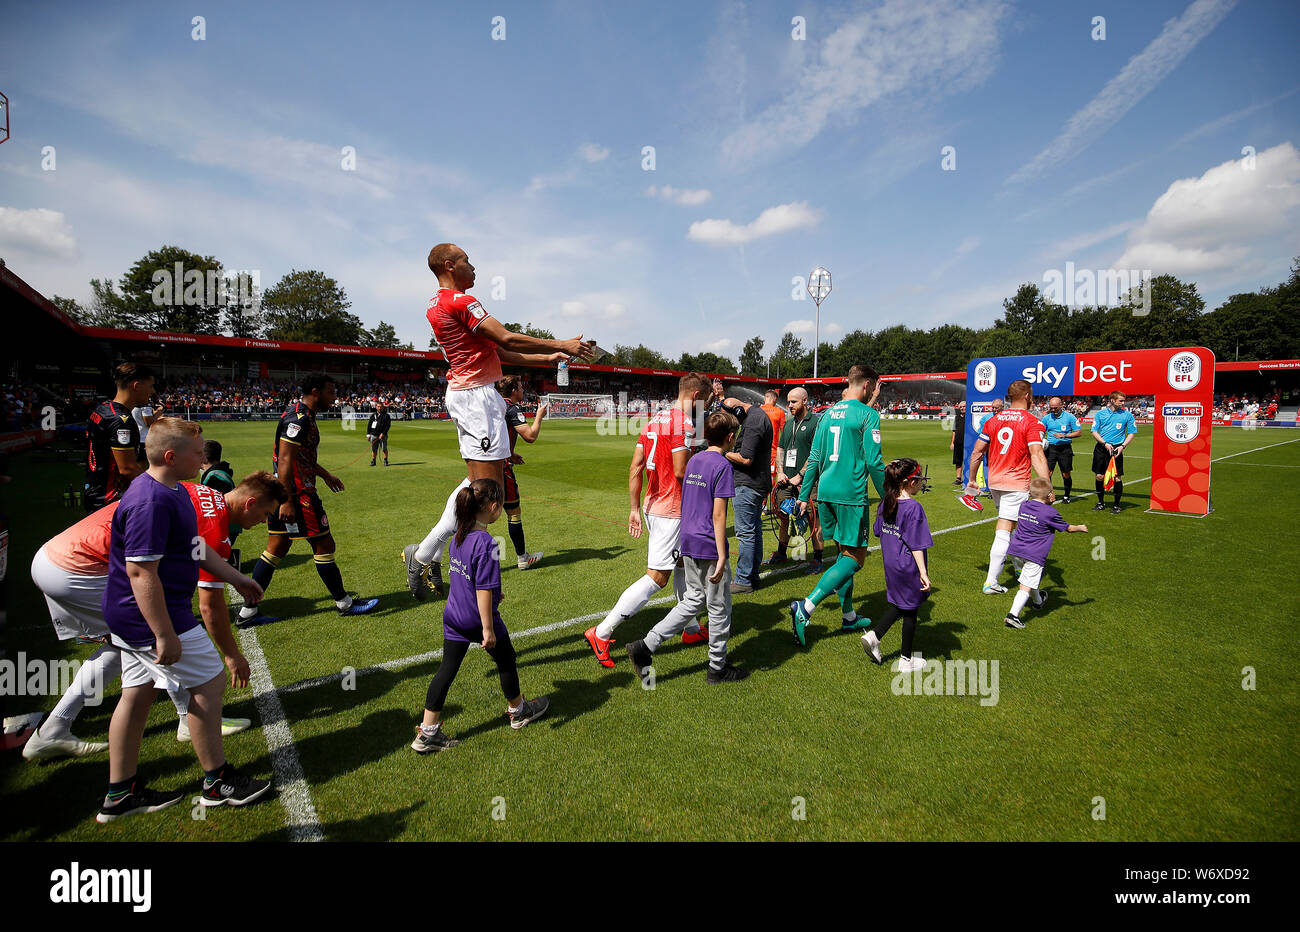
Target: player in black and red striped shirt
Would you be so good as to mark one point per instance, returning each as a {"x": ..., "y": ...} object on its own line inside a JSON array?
[
  {"x": 113, "y": 438},
  {"x": 303, "y": 516}
]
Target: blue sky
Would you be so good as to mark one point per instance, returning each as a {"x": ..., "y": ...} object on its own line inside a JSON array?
[{"x": 771, "y": 154}]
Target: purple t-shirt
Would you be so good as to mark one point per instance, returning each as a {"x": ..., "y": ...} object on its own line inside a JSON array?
[
  {"x": 474, "y": 566},
  {"x": 708, "y": 476},
  {"x": 898, "y": 538},
  {"x": 1032, "y": 539},
  {"x": 152, "y": 523}
]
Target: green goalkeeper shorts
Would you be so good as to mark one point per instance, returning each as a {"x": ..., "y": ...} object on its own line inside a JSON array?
[{"x": 847, "y": 525}]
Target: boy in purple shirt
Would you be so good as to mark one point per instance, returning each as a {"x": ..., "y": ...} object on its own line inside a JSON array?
[
  {"x": 706, "y": 487},
  {"x": 153, "y": 569},
  {"x": 1032, "y": 541},
  {"x": 471, "y": 617}
]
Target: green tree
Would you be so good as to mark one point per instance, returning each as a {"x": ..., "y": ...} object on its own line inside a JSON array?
[
  {"x": 311, "y": 307},
  {"x": 857, "y": 348},
  {"x": 384, "y": 336},
  {"x": 242, "y": 315},
  {"x": 640, "y": 357},
  {"x": 156, "y": 298},
  {"x": 950, "y": 348},
  {"x": 529, "y": 330},
  {"x": 107, "y": 309},
  {"x": 69, "y": 306},
  {"x": 751, "y": 358},
  {"x": 706, "y": 362},
  {"x": 1002, "y": 341}
]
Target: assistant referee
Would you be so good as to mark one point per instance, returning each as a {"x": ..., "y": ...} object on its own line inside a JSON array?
[{"x": 1114, "y": 429}]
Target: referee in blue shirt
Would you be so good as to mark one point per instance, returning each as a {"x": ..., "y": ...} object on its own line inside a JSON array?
[
  {"x": 1061, "y": 427},
  {"x": 1114, "y": 429}
]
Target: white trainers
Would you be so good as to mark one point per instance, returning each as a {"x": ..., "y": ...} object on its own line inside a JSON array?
[
  {"x": 911, "y": 664},
  {"x": 871, "y": 644},
  {"x": 529, "y": 560},
  {"x": 229, "y": 726},
  {"x": 38, "y": 748},
  {"x": 994, "y": 589}
]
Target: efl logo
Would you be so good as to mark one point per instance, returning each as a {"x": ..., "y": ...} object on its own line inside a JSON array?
[
  {"x": 1184, "y": 371},
  {"x": 986, "y": 376},
  {"x": 1182, "y": 421}
]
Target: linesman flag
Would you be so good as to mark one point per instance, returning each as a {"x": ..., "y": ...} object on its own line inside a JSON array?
[{"x": 1109, "y": 478}]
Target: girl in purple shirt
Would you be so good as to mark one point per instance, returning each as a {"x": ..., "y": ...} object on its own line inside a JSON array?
[
  {"x": 471, "y": 617},
  {"x": 904, "y": 536}
]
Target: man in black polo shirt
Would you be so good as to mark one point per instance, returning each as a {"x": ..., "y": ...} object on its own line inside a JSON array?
[
  {"x": 113, "y": 445},
  {"x": 377, "y": 432},
  {"x": 751, "y": 461}
]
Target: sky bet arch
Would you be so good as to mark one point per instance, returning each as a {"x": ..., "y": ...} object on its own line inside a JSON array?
[{"x": 1182, "y": 380}]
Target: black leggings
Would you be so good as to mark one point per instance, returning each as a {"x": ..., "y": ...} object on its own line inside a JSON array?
[
  {"x": 892, "y": 613},
  {"x": 453, "y": 652}
]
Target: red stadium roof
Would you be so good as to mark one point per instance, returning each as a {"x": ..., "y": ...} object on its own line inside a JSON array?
[{"x": 8, "y": 278}]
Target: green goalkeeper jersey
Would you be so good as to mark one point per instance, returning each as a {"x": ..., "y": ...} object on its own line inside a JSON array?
[{"x": 845, "y": 450}]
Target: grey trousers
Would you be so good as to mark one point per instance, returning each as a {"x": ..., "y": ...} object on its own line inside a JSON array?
[{"x": 699, "y": 594}]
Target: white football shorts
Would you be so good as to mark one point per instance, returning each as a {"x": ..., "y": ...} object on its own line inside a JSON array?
[
  {"x": 480, "y": 416},
  {"x": 1008, "y": 503},
  {"x": 1031, "y": 575},
  {"x": 199, "y": 663},
  {"x": 664, "y": 535},
  {"x": 76, "y": 602}
]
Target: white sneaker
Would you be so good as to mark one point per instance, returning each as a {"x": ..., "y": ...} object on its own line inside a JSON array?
[
  {"x": 872, "y": 645},
  {"x": 994, "y": 589},
  {"x": 38, "y": 748},
  {"x": 911, "y": 664},
  {"x": 529, "y": 560},
  {"x": 229, "y": 726}
]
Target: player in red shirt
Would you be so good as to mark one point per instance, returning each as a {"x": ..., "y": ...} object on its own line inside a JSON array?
[
  {"x": 661, "y": 453},
  {"x": 1013, "y": 440},
  {"x": 476, "y": 345},
  {"x": 71, "y": 570}
]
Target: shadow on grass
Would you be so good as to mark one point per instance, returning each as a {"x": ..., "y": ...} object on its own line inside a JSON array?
[
  {"x": 580, "y": 554},
  {"x": 381, "y": 826},
  {"x": 339, "y": 751}
]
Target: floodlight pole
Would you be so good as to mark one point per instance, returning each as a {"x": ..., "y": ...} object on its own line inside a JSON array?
[{"x": 819, "y": 286}]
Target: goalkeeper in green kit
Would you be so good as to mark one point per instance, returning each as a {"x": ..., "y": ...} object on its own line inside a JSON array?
[{"x": 845, "y": 450}]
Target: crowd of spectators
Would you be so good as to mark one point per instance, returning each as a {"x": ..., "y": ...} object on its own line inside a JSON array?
[
  {"x": 22, "y": 406},
  {"x": 212, "y": 395},
  {"x": 1263, "y": 408}
]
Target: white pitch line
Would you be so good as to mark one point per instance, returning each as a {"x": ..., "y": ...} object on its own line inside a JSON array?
[
  {"x": 401, "y": 662},
  {"x": 290, "y": 782}
]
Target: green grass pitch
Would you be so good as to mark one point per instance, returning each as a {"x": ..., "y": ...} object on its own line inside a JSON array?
[{"x": 1127, "y": 686}]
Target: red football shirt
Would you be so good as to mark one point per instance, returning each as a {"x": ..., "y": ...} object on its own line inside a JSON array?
[
  {"x": 83, "y": 548},
  {"x": 1009, "y": 436},
  {"x": 214, "y": 526},
  {"x": 668, "y": 431},
  {"x": 471, "y": 357}
]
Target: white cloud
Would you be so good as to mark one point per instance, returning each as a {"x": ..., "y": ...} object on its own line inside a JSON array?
[
  {"x": 591, "y": 152},
  {"x": 1228, "y": 218},
  {"x": 38, "y": 231},
  {"x": 780, "y": 219},
  {"x": 573, "y": 309},
  {"x": 718, "y": 346},
  {"x": 900, "y": 47},
  {"x": 1135, "y": 80},
  {"x": 686, "y": 197},
  {"x": 802, "y": 328}
]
